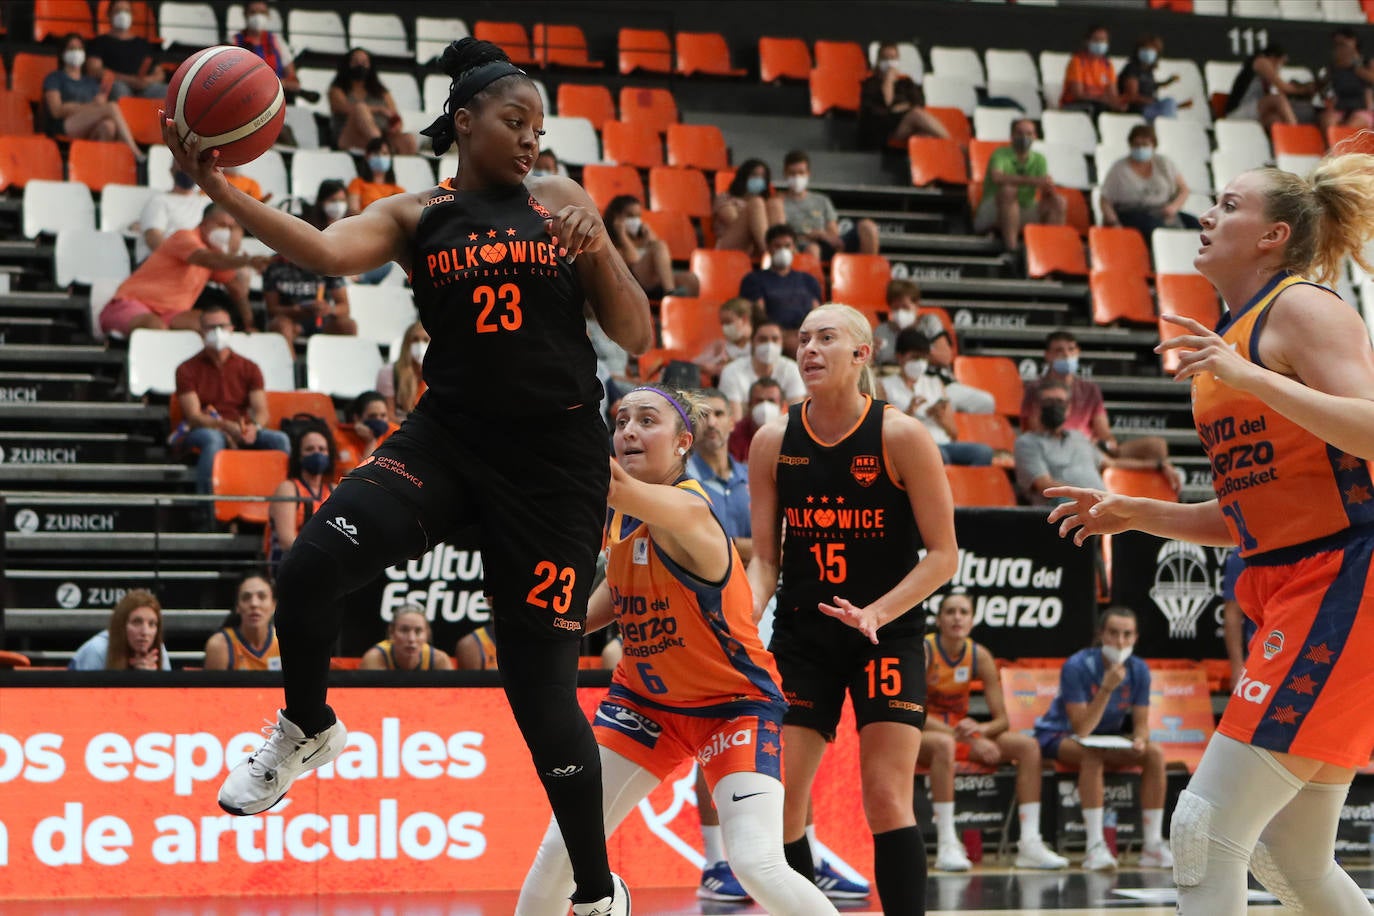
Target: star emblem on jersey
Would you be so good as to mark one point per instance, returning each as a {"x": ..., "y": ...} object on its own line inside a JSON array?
[
  {"x": 491, "y": 233},
  {"x": 510, "y": 231},
  {"x": 1303, "y": 685},
  {"x": 1348, "y": 462},
  {"x": 1285, "y": 715},
  {"x": 472, "y": 236},
  {"x": 769, "y": 748},
  {"x": 1319, "y": 654},
  {"x": 1357, "y": 494}
]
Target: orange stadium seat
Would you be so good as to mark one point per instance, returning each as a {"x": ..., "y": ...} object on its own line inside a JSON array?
[
  {"x": 994, "y": 374},
  {"x": 705, "y": 54},
  {"x": 842, "y": 57},
  {"x": 683, "y": 190},
  {"x": 644, "y": 49},
  {"x": 719, "y": 271},
  {"x": 1152, "y": 484},
  {"x": 16, "y": 114},
  {"x": 1077, "y": 213},
  {"x": 833, "y": 90},
  {"x": 631, "y": 144},
  {"x": 1189, "y": 295},
  {"x": 1118, "y": 248},
  {"x": 700, "y": 146},
  {"x": 141, "y": 115},
  {"x": 991, "y": 429},
  {"x": 13, "y": 660},
  {"x": 688, "y": 324},
  {"x": 27, "y": 72},
  {"x": 724, "y": 178},
  {"x": 675, "y": 229},
  {"x": 510, "y": 36},
  {"x": 144, "y": 24},
  {"x": 935, "y": 160},
  {"x": 860, "y": 280},
  {"x": 604, "y": 182},
  {"x": 55, "y": 18},
  {"x": 246, "y": 472},
  {"x": 1121, "y": 295},
  {"x": 562, "y": 46},
  {"x": 654, "y": 108},
  {"x": 1054, "y": 249},
  {"x": 986, "y": 486},
  {"x": 1297, "y": 139},
  {"x": 783, "y": 58},
  {"x": 955, "y": 121},
  {"x": 1339, "y": 132},
  {"x": 283, "y": 405},
  {"x": 979, "y": 152},
  {"x": 594, "y": 103},
  {"x": 26, "y": 158},
  {"x": 96, "y": 163},
  {"x": 807, "y": 263}
]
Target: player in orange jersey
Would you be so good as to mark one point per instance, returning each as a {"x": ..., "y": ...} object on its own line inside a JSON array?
[
  {"x": 1283, "y": 398},
  {"x": 694, "y": 680}
]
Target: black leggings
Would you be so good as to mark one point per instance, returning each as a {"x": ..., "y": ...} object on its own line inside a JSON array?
[{"x": 359, "y": 531}]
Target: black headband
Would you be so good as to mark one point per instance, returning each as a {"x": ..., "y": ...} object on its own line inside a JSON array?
[{"x": 461, "y": 92}]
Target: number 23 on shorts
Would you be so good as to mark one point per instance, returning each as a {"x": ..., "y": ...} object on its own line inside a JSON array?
[{"x": 555, "y": 583}]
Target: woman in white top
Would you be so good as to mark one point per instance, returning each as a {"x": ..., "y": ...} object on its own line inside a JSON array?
[
  {"x": 132, "y": 642},
  {"x": 919, "y": 393},
  {"x": 1145, "y": 191}
]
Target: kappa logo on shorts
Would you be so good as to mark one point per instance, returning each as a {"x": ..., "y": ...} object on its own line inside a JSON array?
[
  {"x": 720, "y": 743},
  {"x": 865, "y": 469},
  {"x": 1273, "y": 644},
  {"x": 1251, "y": 690},
  {"x": 344, "y": 527},
  {"x": 905, "y": 705},
  {"x": 563, "y": 623}
]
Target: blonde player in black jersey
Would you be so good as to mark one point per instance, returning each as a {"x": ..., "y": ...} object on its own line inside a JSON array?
[
  {"x": 853, "y": 490},
  {"x": 507, "y": 436}
]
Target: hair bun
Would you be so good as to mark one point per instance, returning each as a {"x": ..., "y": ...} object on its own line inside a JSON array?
[{"x": 468, "y": 53}]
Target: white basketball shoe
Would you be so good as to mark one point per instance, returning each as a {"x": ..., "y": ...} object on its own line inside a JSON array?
[{"x": 260, "y": 781}]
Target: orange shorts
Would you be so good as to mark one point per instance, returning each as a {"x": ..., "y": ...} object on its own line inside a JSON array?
[
  {"x": 1308, "y": 684},
  {"x": 659, "y": 740}
]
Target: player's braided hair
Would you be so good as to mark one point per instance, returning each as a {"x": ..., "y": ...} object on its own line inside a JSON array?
[{"x": 474, "y": 66}]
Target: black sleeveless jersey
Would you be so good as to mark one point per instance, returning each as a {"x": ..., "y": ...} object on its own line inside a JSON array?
[
  {"x": 503, "y": 310},
  {"x": 848, "y": 530}
]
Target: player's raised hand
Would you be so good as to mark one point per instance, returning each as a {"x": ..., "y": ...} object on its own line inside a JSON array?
[
  {"x": 862, "y": 619},
  {"x": 204, "y": 168},
  {"x": 1088, "y": 512},
  {"x": 1203, "y": 350},
  {"x": 577, "y": 229}
]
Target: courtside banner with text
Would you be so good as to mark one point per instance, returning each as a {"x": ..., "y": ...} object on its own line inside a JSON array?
[{"x": 111, "y": 793}]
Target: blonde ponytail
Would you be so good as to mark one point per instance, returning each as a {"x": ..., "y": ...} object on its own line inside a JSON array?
[
  {"x": 1330, "y": 212},
  {"x": 856, "y": 323}
]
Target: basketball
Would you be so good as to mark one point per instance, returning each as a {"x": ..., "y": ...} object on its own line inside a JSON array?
[{"x": 230, "y": 99}]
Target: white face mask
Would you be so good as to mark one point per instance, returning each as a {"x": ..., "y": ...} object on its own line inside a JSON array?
[
  {"x": 220, "y": 238},
  {"x": 1115, "y": 656},
  {"x": 417, "y": 350},
  {"x": 733, "y": 332},
  {"x": 886, "y": 64},
  {"x": 122, "y": 20},
  {"x": 904, "y": 318},
  {"x": 217, "y": 338},
  {"x": 633, "y": 224},
  {"x": 257, "y": 22},
  {"x": 798, "y": 183},
  {"x": 74, "y": 58},
  {"x": 764, "y": 412},
  {"x": 914, "y": 368},
  {"x": 781, "y": 258},
  {"x": 768, "y": 353},
  {"x": 336, "y": 209}
]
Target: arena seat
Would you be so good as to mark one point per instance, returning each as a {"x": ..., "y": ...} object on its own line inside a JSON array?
[
  {"x": 82, "y": 255},
  {"x": 383, "y": 313},
  {"x": 993, "y": 125},
  {"x": 144, "y": 25},
  {"x": 51, "y": 206},
  {"x": 1076, "y": 213},
  {"x": 980, "y": 487},
  {"x": 562, "y": 46},
  {"x": 842, "y": 57},
  {"x": 511, "y": 37},
  {"x": 719, "y": 272},
  {"x": 321, "y": 31},
  {"x": 1190, "y": 295},
  {"x": 382, "y": 34},
  {"x": 783, "y": 58},
  {"x": 1120, "y": 295},
  {"x": 1174, "y": 250},
  {"x": 860, "y": 280},
  {"x": 1029, "y": 686},
  {"x": 592, "y": 102},
  {"x": 1297, "y": 139},
  {"x": 268, "y": 170},
  {"x": 342, "y": 367},
  {"x": 950, "y": 92},
  {"x": 908, "y": 59},
  {"x": 631, "y": 144},
  {"x": 1114, "y": 131},
  {"x": 141, "y": 115},
  {"x": 700, "y": 146},
  {"x": 1241, "y": 134},
  {"x": 246, "y": 472},
  {"x": 654, "y": 108},
  {"x": 56, "y": 18},
  {"x": 1054, "y": 250},
  {"x": 433, "y": 35},
  {"x": 1337, "y": 133},
  {"x": 309, "y": 167},
  {"x": 1118, "y": 248},
  {"x": 979, "y": 154},
  {"x": 644, "y": 49},
  {"x": 991, "y": 429},
  {"x": 413, "y": 172},
  {"x": 936, "y": 160},
  {"x": 961, "y": 63},
  {"x": 574, "y": 139},
  {"x": 604, "y": 182},
  {"x": 1132, "y": 482},
  {"x": 1181, "y": 719},
  {"x": 807, "y": 263},
  {"x": 688, "y": 324},
  {"x": 704, "y": 54},
  {"x": 404, "y": 89},
  {"x": 121, "y": 206},
  {"x": 682, "y": 189},
  {"x": 955, "y": 122},
  {"x": 996, "y": 375},
  {"x": 27, "y": 72},
  {"x": 272, "y": 354},
  {"x": 16, "y": 115},
  {"x": 285, "y": 404},
  {"x": 1011, "y": 66},
  {"x": 675, "y": 229},
  {"x": 96, "y": 163},
  {"x": 154, "y": 357},
  {"x": 833, "y": 90}
]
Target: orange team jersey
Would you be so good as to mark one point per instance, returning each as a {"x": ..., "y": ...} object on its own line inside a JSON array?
[
  {"x": 1096, "y": 73},
  {"x": 371, "y": 191},
  {"x": 691, "y": 647},
  {"x": 426, "y": 656},
  {"x": 488, "y": 646},
  {"x": 243, "y": 658},
  {"x": 948, "y": 679},
  {"x": 1278, "y": 485}
]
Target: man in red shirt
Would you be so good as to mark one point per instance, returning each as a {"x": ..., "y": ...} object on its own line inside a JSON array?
[
  {"x": 222, "y": 399},
  {"x": 765, "y": 403}
]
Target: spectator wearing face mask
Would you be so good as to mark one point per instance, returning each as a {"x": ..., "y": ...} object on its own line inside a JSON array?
[
  {"x": 765, "y": 360},
  {"x": 402, "y": 382},
  {"x": 376, "y": 178},
  {"x": 257, "y": 37},
  {"x": 546, "y": 165},
  {"x": 892, "y": 106},
  {"x": 167, "y": 212},
  {"x": 765, "y": 404},
  {"x": 903, "y": 302},
  {"x": 362, "y": 108},
  {"x": 740, "y": 217},
  {"x": 368, "y": 426},
  {"x": 1090, "y": 79},
  {"x": 1144, "y": 190},
  {"x": 300, "y": 302},
  {"x": 309, "y": 482},
  {"x": 645, "y": 254},
  {"x": 1346, "y": 84},
  {"x": 1137, "y": 84},
  {"x": 126, "y": 57},
  {"x": 222, "y": 400},
  {"x": 813, "y": 218},
  {"x": 736, "y": 327},
  {"x": 76, "y": 103},
  {"x": 1018, "y": 190},
  {"x": 785, "y": 295},
  {"x": 917, "y": 393},
  {"x": 161, "y": 291},
  {"x": 963, "y": 398}
]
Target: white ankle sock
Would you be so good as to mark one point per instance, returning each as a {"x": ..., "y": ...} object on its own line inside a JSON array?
[
  {"x": 1029, "y": 816},
  {"x": 944, "y": 822},
  {"x": 1092, "y": 827},
  {"x": 1152, "y": 819},
  {"x": 714, "y": 848}
]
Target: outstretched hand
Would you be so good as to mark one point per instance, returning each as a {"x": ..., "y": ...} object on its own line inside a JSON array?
[
  {"x": 203, "y": 167},
  {"x": 1090, "y": 512},
  {"x": 863, "y": 619},
  {"x": 1203, "y": 350}
]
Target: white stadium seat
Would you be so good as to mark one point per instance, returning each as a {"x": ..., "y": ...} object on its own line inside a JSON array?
[
  {"x": 1174, "y": 250},
  {"x": 50, "y": 206},
  {"x": 342, "y": 367},
  {"x": 154, "y": 357},
  {"x": 272, "y": 354},
  {"x": 378, "y": 33}
]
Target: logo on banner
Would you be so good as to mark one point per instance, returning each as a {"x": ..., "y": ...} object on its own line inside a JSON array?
[
  {"x": 68, "y": 595},
  {"x": 1182, "y": 588},
  {"x": 26, "y": 521}
]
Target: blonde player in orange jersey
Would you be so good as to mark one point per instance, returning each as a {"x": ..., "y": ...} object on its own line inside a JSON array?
[
  {"x": 1283, "y": 399},
  {"x": 694, "y": 680}
]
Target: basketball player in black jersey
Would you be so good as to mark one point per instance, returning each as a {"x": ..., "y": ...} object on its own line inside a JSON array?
[
  {"x": 851, "y": 491},
  {"x": 507, "y": 438}
]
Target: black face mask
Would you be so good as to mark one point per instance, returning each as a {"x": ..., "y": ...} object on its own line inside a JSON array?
[
  {"x": 359, "y": 73},
  {"x": 1052, "y": 416}
]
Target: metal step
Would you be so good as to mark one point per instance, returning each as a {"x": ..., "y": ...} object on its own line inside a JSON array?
[
  {"x": 888, "y": 216},
  {"x": 20, "y": 330},
  {"x": 1037, "y": 354},
  {"x": 61, "y": 387},
  {"x": 951, "y": 282},
  {"x": 86, "y": 356},
  {"x": 1182, "y": 405},
  {"x": 1036, "y": 333},
  {"x": 19, "y": 250},
  {"x": 98, "y": 473},
  {"x": 993, "y": 305},
  {"x": 931, "y": 241},
  {"x": 137, "y": 542},
  {"x": 98, "y": 590},
  {"x": 74, "y": 447},
  {"x": 28, "y": 512},
  {"x": 43, "y": 303},
  {"x": 109, "y": 412},
  {"x": 41, "y": 620}
]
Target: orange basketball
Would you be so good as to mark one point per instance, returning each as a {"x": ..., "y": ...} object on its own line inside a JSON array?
[{"x": 229, "y": 98}]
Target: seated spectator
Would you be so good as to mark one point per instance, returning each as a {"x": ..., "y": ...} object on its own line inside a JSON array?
[
  {"x": 132, "y": 642},
  {"x": 162, "y": 291},
  {"x": 784, "y": 295},
  {"x": 1087, "y": 413},
  {"x": 367, "y": 428},
  {"x": 402, "y": 381},
  {"x": 645, "y": 254},
  {"x": 168, "y": 212},
  {"x": 407, "y": 646},
  {"x": 813, "y": 218},
  {"x": 736, "y": 327},
  {"x": 248, "y": 639},
  {"x": 477, "y": 650},
  {"x": 301, "y": 302},
  {"x": 222, "y": 399},
  {"x": 916, "y": 392},
  {"x": 1138, "y": 87},
  {"x": 77, "y": 106},
  {"x": 1018, "y": 190},
  {"x": 257, "y": 37},
  {"x": 725, "y": 479},
  {"x": 953, "y": 662},
  {"x": 903, "y": 300},
  {"x": 1346, "y": 85},
  {"x": 1260, "y": 93},
  {"x": 309, "y": 482},
  {"x": 892, "y": 106},
  {"x": 1090, "y": 79},
  {"x": 963, "y": 398},
  {"x": 546, "y": 165},
  {"x": 741, "y": 216},
  {"x": 377, "y": 179},
  {"x": 127, "y": 58},
  {"x": 1099, "y": 687},
  {"x": 1145, "y": 190},
  {"x": 362, "y": 108},
  {"x": 765, "y": 404},
  {"x": 765, "y": 360}
]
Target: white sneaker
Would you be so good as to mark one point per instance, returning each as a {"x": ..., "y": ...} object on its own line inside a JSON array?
[
  {"x": 618, "y": 904},
  {"x": 1099, "y": 858},
  {"x": 952, "y": 857},
  {"x": 260, "y": 781},
  {"x": 1157, "y": 857},
  {"x": 1033, "y": 853}
]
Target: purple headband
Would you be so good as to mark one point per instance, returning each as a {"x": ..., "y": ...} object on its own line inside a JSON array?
[{"x": 671, "y": 400}]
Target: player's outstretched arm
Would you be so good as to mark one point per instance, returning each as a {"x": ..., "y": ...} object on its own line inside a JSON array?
[{"x": 1086, "y": 512}]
